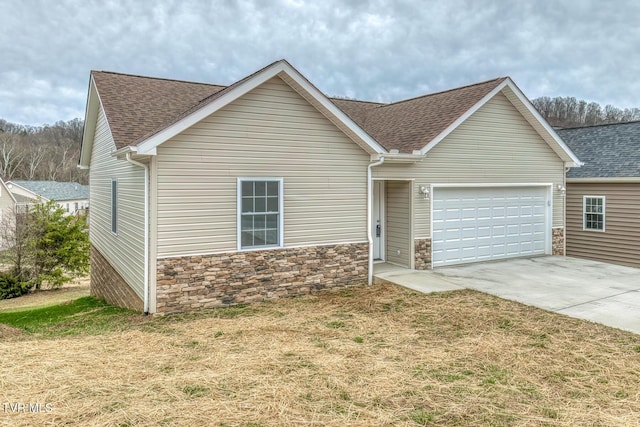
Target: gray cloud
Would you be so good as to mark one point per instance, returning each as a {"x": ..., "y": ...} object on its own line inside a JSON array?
[{"x": 376, "y": 50}]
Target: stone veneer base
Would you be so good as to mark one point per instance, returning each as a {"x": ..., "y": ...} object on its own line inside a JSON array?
[
  {"x": 204, "y": 281},
  {"x": 557, "y": 245},
  {"x": 422, "y": 254},
  {"x": 107, "y": 284}
]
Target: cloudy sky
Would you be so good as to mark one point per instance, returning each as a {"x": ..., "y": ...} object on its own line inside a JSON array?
[{"x": 373, "y": 50}]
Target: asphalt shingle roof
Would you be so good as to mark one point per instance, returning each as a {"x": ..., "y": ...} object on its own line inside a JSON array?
[
  {"x": 138, "y": 107},
  {"x": 53, "y": 190},
  {"x": 608, "y": 151}
]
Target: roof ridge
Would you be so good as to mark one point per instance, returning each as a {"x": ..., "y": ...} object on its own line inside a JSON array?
[
  {"x": 338, "y": 98},
  {"x": 630, "y": 122},
  {"x": 156, "y": 78},
  {"x": 444, "y": 91}
]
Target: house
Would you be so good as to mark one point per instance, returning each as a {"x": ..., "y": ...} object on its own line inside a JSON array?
[
  {"x": 603, "y": 196},
  {"x": 7, "y": 210},
  {"x": 71, "y": 196},
  {"x": 267, "y": 188}
]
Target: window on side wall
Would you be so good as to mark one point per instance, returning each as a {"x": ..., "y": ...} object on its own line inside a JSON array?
[
  {"x": 114, "y": 206},
  {"x": 593, "y": 213},
  {"x": 259, "y": 213}
]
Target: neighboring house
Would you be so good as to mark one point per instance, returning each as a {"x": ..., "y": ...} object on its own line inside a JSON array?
[
  {"x": 603, "y": 196},
  {"x": 7, "y": 211},
  {"x": 71, "y": 196},
  {"x": 268, "y": 188}
]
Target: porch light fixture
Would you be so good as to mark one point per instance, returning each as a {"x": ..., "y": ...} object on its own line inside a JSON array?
[
  {"x": 425, "y": 190},
  {"x": 561, "y": 189}
]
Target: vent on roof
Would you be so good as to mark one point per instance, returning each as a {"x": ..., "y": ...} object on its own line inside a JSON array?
[{"x": 394, "y": 151}]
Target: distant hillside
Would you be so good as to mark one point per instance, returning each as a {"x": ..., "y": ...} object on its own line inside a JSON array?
[
  {"x": 570, "y": 112},
  {"x": 48, "y": 152}
]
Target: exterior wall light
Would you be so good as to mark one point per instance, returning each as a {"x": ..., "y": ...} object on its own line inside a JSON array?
[
  {"x": 561, "y": 189},
  {"x": 425, "y": 190}
]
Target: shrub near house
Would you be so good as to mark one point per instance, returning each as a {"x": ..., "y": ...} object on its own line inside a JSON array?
[{"x": 45, "y": 246}]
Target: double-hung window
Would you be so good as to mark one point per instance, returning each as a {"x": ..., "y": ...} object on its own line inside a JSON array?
[
  {"x": 593, "y": 213},
  {"x": 259, "y": 212}
]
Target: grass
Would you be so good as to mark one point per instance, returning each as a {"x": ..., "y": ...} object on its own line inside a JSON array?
[
  {"x": 376, "y": 355},
  {"x": 84, "y": 315}
]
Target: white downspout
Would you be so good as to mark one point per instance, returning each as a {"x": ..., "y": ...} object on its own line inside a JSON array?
[
  {"x": 146, "y": 229},
  {"x": 369, "y": 212}
]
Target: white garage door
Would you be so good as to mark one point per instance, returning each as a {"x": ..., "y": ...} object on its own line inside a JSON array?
[{"x": 480, "y": 224}]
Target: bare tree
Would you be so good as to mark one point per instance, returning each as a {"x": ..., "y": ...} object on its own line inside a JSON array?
[
  {"x": 32, "y": 161},
  {"x": 11, "y": 156}
]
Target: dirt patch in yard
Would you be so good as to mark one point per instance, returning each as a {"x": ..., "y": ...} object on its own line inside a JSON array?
[{"x": 377, "y": 355}]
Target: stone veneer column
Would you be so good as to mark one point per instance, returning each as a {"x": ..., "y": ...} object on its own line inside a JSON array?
[
  {"x": 557, "y": 246},
  {"x": 422, "y": 254},
  {"x": 107, "y": 284},
  {"x": 203, "y": 281}
]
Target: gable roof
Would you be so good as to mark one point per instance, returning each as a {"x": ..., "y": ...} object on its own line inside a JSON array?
[
  {"x": 137, "y": 106},
  {"x": 54, "y": 190},
  {"x": 143, "y": 112},
  {"x": 411, "y": 124},
  {"x": 608, "y": 151}
]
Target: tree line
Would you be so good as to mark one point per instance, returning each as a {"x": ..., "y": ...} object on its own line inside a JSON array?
[
  {"x": 569, "y": 112},
  {"x": 51, "y": 152},
  {"x": 48, "y": 152}
]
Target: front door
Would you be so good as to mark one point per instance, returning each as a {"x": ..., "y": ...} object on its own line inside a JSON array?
[{"x": 378, "y": 221}]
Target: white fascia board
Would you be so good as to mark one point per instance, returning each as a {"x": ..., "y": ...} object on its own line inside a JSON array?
[
  {"x": 90, "y": 119},
  {"x": 35, "y": 195},
  {"x": 149, "y": 145},
  {"x": 398, "y": 158},
  {"x": 462, "y": 118},
  {"x": 124, "y": 150},
  {"x": 8, "y": 191},
  {"x": 574, "y": 161}
]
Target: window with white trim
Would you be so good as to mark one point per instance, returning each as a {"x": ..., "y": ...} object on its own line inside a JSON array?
[
  {"x": 114, "y": 206},
  {"x": 593, "y": 213},
  {"x": 259, "y": 212}
]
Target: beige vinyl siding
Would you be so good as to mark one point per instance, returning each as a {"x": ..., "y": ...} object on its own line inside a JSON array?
[
  {"x": 125, "y": 252},
  {"x": 269, "y": 132},
  {"x": 398, "y": 212},
  {"x": 620, "y": 242},
  {"x": 495, "y": 145},
  {"x": 6, "y": 202}
]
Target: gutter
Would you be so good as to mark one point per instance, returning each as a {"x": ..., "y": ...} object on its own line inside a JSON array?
[
  {"x": 369, "y": 212},
  {"x": 146, "y": 228}
]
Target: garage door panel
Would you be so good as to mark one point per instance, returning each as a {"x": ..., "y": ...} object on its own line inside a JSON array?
[{"x": 475, "y": 224}]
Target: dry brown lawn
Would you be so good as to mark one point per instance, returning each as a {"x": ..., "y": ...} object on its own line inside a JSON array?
[{"x": 380, "y": 355}]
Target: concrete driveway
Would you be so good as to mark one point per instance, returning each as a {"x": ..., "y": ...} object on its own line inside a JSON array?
[{"x": 595, "y": 291}]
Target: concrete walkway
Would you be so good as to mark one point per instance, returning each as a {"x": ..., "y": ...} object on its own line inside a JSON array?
[{"x": 595, "y": 291}]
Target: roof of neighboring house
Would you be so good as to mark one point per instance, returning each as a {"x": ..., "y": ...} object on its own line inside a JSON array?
[
  {"x": 608, "y": 151},
  {"x": 54, "y": 190}
]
